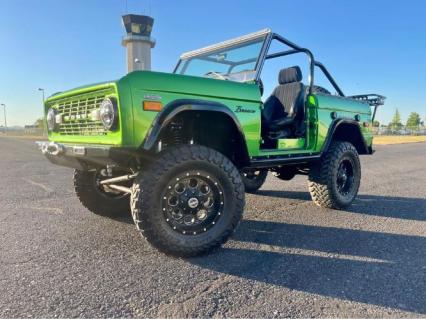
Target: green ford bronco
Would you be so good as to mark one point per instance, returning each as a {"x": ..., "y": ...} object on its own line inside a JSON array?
[{"x": 178, "y": 150}]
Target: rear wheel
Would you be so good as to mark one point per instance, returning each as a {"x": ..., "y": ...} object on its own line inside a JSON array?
[
  {"x": 334, "y": 182},
  {"x": 97, "y": 198},
  {"x": 188, "y": 201},
  {"x": 253, "y": 179}
]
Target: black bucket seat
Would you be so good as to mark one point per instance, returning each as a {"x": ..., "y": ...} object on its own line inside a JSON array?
[{"x": 283, "y": 111}]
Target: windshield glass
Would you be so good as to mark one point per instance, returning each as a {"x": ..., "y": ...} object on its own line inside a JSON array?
[{"x": 234, "y": 62}]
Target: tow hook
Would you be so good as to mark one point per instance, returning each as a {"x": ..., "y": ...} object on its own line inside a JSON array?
[{"x": 50, "y": 148}]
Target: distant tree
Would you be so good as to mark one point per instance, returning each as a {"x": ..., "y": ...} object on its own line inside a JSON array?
[
  {"x": 376, "y": 123},
  {"x": 39, "y": 123},
  {"x": 413, "y": 120},
  {"x": 396, "y": 120}
]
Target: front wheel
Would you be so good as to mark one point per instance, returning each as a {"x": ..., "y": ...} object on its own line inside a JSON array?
[
  {"x": 99, "y": 199},
  {"x": 334, "y": 182},
  {"x": 188, "y": 201}
]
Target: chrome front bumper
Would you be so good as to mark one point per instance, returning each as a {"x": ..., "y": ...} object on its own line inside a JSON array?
[
  {"x": 55, "y": 149},
  {"x": 75, "y": 156}
]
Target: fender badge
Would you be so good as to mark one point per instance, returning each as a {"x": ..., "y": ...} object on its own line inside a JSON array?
[
  {"x": 152, "y": 97},
  {"x": 240, "y": 109}
]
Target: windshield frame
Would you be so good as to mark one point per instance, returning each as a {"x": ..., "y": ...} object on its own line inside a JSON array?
[
  {"x": 269, "y": 36},
  {"x": 266, "y": 34}
]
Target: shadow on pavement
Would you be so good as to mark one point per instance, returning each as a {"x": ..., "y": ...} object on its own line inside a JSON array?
[
  {"x": 395, "y": 278},
  {"x": 125, "y": 219},
  {"x": 385, "y": 206},
  {"x": 375, "y": 268}
]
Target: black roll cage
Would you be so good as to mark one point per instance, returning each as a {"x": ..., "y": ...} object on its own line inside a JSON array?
[
  {"x": 295, "y": 49},
  {"x": 371, "y": 99}
]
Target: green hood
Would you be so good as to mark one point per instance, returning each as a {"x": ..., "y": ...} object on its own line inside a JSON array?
[
  {"x": 80, "y": 90},
  {"x": 192, "y": 86}
]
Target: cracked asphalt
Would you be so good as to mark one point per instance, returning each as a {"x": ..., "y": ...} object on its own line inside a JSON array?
[{"x": 288, "y": 258}]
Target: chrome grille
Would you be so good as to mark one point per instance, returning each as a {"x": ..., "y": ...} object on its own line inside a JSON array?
[{"x": 76, "y": 113}]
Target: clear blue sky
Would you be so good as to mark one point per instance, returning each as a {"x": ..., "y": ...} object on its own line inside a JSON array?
[{"x": 369, "y": 46}]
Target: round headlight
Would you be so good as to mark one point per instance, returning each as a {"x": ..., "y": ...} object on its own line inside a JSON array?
[
  {"x": 50, "y": 118},
  {"x": 108, "y": 114}
]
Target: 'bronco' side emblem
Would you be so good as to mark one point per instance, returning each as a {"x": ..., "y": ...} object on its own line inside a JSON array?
[{"x": 240, "y": 109}]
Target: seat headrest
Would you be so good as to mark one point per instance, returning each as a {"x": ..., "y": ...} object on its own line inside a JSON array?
[{"x": 290, "y": 75}]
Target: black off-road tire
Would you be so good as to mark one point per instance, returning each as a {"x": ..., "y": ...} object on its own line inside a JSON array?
[
  {"x": 254, "y": 180},
  {"x": 323, "y": 177},
  {"x": 96, "y": 200},
  {"x": 151, "y": 187}
]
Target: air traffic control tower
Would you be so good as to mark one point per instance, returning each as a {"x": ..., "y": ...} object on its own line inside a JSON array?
[{"x": 138, "y": 41}]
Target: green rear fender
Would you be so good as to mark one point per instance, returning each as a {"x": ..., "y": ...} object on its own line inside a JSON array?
[{"x": 330, "y": 114}]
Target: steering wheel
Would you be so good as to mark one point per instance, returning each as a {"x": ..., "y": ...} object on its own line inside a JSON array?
[{"x": 217, "y": 75}]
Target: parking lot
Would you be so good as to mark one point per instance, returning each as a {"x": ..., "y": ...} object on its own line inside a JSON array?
[{"x": 287, "y": 258}]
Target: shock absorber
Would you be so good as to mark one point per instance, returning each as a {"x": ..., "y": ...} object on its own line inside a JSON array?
[
  {"x": 173, "y": 135},
  {"x": 176, "y": 132}
]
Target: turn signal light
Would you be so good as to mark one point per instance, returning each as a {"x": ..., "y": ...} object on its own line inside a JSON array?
[{"x": 152, "y": 106}]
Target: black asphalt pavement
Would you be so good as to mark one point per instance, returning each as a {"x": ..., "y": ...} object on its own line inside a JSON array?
[{"x": 287, "y": 258}]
